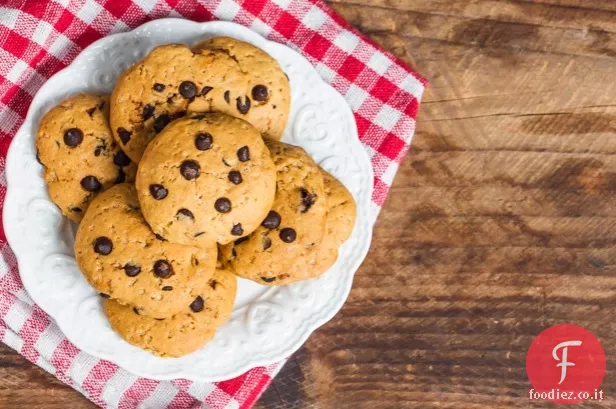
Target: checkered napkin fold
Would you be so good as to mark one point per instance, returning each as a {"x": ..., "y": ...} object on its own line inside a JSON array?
[{"x": 38, "y": 38}]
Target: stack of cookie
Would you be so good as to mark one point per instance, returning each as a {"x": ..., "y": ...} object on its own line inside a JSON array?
[{"x": 180, "y": 184}]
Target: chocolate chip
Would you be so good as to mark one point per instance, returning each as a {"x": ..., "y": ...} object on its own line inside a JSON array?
[
  {"x": 158, "y": 192},
  {"x": 240, "y": 240},
  {"x": 163, "y": 269},
  {"x": 121, "y": 178},
  {"x": 132, "y": 270},
  {"x": 158, "y": 87},
  {"x": 167, "y": 288},
  {"x": 73, "y": 137},
  {"x": 268, "y": 279},
  {"x": 136, "y": 311},
  {"x": 243, "y": 154},
  {"x": 242, "y": 107},
  {"x": 222, "y": 205},
  {"x": 199, "y": 234},
  {"x": 159, "y": 237},
  {"x": 106, "y": 296},
  {"x": 288, "y": 235},
  {"x": 76, "y": 209},
  {"x": 203, "y": 141},
  {"x": 235, "y": 177},
  {"x": 272, "y": 220},
  {"x": 147, "y": 112},
  {"x": 308, "y": 200},
  {"x": 227, "y": 96},
  {"x": 91, "y": 184},
  {"x": 124, "y": 135},
  {"x": 184, "y": 213},
  {"x": 103, "y": 245},
  {"x": 121, "y": 159},
  {"x": 177, "y": 115},
  {"x": 91, "y": 111},
  {"x": 197, "y": 305},
  {"x": 267, "y": 243},
  {"x": 260, "y": 93},
  {"x": 237, "y": 230},
  {"x": 205, "y": 90},
  {"x": 190, "y": 169},
  {"x": 160, "y": 122},
  {"x": 188, "y": 89}
]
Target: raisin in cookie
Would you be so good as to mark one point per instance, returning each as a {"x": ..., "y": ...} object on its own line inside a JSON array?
[
  {"x": 170, "y": 81},
  {"x": 186, "y": 331},
  {"x": 206, "y": 178},
  {"x": 341, "y": 212},
  {"x": 281, "y": 249},
  {"x": 122, "y": 258},
  {"x": 268, "y": 99},
  {"x": 75, "y": 145}
]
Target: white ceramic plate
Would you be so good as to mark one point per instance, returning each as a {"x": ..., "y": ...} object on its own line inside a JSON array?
[{"x": 267, "y": 324}]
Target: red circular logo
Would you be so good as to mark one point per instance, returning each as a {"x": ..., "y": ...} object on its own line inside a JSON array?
[{"x": 565, "y": 364}]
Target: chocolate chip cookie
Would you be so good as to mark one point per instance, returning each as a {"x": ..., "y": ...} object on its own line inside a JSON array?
[
  {"x": 186, "y": 331},
  {"x": 281, "y": 249},
  {"x": 169, "y": 82},
  {"x": 268, "y": 100},
  {"x": 341, "y": 212},
  {"x": 122, "y": 258},
  {"x": 81, "y": 159},
  {"x": 206, "y": 178}
]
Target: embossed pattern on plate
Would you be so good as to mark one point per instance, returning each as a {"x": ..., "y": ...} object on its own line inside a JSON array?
[{"x": 267, "y": 324}]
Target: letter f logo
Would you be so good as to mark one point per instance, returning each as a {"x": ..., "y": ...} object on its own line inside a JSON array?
[{"x": 564, "y": 363}]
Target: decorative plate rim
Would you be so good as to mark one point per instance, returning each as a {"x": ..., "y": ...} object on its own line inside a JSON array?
[{"x": 21, "y": 162}]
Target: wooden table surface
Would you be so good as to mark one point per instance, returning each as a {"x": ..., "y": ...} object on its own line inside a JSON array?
[{"x": 500, "y": 222}]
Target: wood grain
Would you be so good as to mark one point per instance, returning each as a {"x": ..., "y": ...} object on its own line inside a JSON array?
[{"x": 499, "y": 224}]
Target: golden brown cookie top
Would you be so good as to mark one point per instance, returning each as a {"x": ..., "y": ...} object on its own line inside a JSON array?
[
  {"x": 206, "y": 178},
  {"x": 122, "y": 258},
  {"x": 268, "y": 86},
  {"x": 186, "y": 331},
  {"x": 341, "y": 209},
  {"x": 339, "y": 224},
  {"x": 281, "y": 249},
  {"x": 81, "y": 159},
  {"x": 167, "y": 83}
]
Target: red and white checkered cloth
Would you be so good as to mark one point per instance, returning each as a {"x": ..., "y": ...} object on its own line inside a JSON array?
[{"x": 38, "y": 38}]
